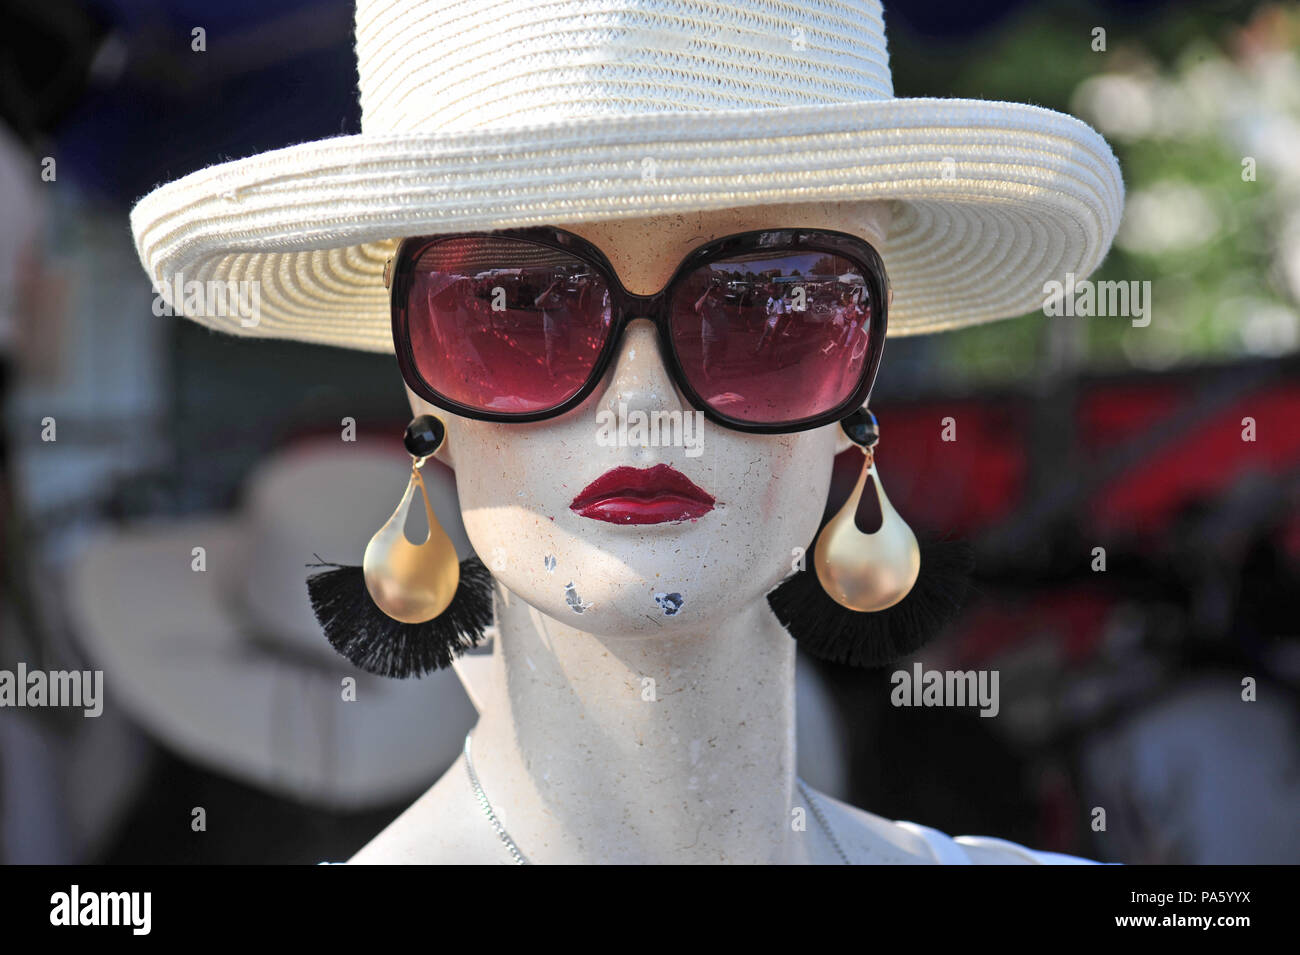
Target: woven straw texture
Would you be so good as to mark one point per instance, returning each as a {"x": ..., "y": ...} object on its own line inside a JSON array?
[{"x": 486, "y": 114}]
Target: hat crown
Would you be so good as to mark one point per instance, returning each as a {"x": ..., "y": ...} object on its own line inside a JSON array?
[{"x": 428, "y": 65}]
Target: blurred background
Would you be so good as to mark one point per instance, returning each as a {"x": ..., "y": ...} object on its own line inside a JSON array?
[{"x": 136, "y": 448}]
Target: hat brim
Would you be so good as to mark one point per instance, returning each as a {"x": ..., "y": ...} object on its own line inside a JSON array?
[
  {"x": 179, "y": 663},
  {"x": 992, "y": 201}
]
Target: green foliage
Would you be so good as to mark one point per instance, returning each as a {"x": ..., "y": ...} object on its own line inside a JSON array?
[{"x": 1205, "y": 95}]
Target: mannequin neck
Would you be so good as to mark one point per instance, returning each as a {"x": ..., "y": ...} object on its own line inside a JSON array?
[{"x": 675, "y": 747}]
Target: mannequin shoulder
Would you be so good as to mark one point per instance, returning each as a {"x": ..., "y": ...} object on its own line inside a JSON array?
[
  {"x": 444, "y": 827},
  {"x": 436, "y": 830},
  {"x": 869, "y": 839}
]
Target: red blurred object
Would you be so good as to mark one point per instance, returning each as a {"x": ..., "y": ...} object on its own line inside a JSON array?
[
  {"x": 1073, "y": 619},
  {"x": 957, "y": 487},
  {"x": 975, "y": 482},
  {"x": 1144, "y": 499}
]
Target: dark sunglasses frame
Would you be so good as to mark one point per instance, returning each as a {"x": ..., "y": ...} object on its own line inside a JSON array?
[{"x": 625, "y": 307}]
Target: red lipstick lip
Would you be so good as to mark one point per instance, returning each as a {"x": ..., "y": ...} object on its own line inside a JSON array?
[{"x": 656, "y": 495}]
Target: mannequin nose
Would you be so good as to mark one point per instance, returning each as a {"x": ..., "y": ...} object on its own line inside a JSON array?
[{"x": 640, "y": 380}]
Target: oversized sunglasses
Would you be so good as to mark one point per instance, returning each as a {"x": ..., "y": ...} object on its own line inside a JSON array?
[{"x": 773, "y": 331}]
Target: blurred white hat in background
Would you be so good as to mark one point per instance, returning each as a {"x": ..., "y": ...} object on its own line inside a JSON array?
[{"x": 227, "y": 666}]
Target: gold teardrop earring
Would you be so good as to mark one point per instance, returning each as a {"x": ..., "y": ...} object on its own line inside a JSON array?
[
  {"x": 413, "y": 583},
  {"x": 864, "y": 601},
  {"x": 867, "y": 558},
  {"x": 409, "y": 608}
]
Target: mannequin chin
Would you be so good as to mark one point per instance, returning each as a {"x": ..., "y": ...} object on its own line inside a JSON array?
[{"x": 517, "y": 481}]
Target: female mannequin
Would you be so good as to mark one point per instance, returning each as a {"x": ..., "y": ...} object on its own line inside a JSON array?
[
  {"x": 622, "y": 734},
  {"x": 640, "y": 705}
]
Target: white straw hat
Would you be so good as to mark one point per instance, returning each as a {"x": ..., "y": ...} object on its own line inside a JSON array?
[{"x": 485, "y": 114}]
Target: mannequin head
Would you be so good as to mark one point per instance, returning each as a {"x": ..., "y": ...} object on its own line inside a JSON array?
[{"x": 517, "y": 481}]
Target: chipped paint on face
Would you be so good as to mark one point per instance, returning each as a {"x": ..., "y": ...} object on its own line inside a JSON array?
[
  {"x": 576, "y": 603},
  {"x": 549, "y": 563},
  {"x": 670, "y": 603}
]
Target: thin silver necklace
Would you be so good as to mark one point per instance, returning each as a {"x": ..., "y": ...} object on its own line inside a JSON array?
[
  {"x": 520, "y": 859},
  {"x": 481, "y": 796}
]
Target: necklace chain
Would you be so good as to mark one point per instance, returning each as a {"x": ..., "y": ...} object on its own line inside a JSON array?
[
  {"x": 822, "y": 821},
  {"x": 481, "y": 796},
  {"x": 520, "y": 859}
]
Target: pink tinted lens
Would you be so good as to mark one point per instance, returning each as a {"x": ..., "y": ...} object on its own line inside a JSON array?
[
  {"x": 772, "y": 338},
  {"x": 504, "y": 325}
]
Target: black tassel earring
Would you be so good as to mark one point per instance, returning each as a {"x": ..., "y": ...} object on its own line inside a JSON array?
[
  {"x": 873, "y": 594},
  {"x": 409, "y": 608}
]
